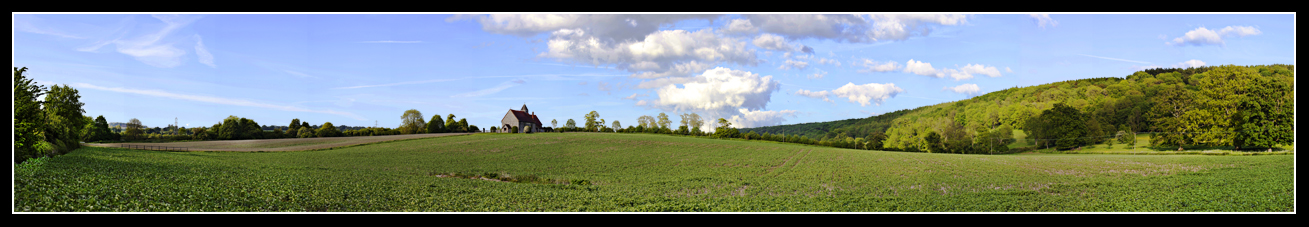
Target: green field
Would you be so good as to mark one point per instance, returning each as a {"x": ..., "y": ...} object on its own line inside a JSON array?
[{"x": 641, "y": 172}]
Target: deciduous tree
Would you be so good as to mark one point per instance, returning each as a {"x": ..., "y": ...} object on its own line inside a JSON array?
[{"x": 411, "y": 122}]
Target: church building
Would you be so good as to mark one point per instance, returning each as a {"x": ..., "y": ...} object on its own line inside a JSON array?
[{"x": 525, "y": 120}]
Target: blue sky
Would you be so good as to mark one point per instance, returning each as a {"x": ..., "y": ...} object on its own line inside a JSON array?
[{"x": 755, "y": 70}]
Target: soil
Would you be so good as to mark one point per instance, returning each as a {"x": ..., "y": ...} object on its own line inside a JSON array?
[{"x": 286, "y": 144}]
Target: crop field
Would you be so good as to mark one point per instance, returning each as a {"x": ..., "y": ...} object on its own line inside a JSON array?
[
  {"x": 640, "y": 172},
  {"x": 286, "y": 144}
]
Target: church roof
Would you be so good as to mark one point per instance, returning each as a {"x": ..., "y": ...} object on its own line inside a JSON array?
[{"x": 525, "y": 117}]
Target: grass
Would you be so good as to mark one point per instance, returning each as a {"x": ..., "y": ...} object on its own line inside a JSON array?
[{"x": 641, "y": 172}]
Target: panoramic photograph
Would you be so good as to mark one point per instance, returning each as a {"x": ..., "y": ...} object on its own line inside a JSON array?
[{"x": 653, "y": 113}]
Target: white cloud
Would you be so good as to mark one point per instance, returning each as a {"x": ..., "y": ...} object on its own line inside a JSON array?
[
  {"x": 980, "y": 69},
  {"x": 608, "y": 27},
  {"x": 1006, "y": 69},
  {"x": 759, "y": 118},
  {"x": 791, "y": 64},
  {"x": 778, "y": 43},
  {"x": 488, "y": 91},
  {"x": 812, "y": 94},
  {"x": 818, "y": 75},
  {"x": 200, "y": 51},
  {"x": 850, "y": 28},
  {"x": 1044, "y": 19},
  {"x": 634, "y": 95},
  {"x": 962, "y": 73},
  {"x": 825, "y": 61},
  {"x": 1189, "y": 64},
  {"x": 718, "y": 92},
  {"x": 681, "y": 69},
  {"x": 920, "y": 68},
  {"x": 863, "y": 94},
  {"x": 871, "y": 93},
  {"x": 739, "y": 26},
  {"x": 153, "y": 49},
  {"x": 1202, "y": 36},
  {"x": 216, "y": 100},
  {"x": 873, "y": 66},
  {"x": 968, "y": 89},
  {"x": 688, "y": 50},
  {"x": 642, "y": 103}
]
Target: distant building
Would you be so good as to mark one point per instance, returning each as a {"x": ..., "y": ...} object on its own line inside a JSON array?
[{"x": 525, "y": 120}]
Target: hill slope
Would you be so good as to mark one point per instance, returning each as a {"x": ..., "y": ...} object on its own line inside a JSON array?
[{"x": 1111, "y": 104}]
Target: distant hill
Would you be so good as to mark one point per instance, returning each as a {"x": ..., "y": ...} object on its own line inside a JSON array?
[{"x": 1111, "y": 103}]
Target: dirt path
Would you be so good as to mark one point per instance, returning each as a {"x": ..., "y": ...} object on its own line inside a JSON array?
[{"x": 286, "y": 144}]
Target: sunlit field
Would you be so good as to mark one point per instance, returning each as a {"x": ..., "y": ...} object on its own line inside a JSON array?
[{"x": 642, "y": 172}]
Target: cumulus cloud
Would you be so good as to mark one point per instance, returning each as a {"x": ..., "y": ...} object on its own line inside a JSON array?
[
  {"x": 1189, "y": 64},
  {"x": 871, "y": 93},
  {"x": 874, "y": 66},
  {"x": 739, "y": 26},
  {"x": 610, "y": 27},
  {"x": 681, "y": 69},
  {"x": 758, "y": 118},
  {"x": 1044, "y": 19},
  {"x": 850, "y": 28},
  {"x": 662, "y": 49},
  {"x": 1203, "y": 36},
  {"x": 792, "y": 64},
  {"x": 718, "y": 92},
  {"x": 962, "y": 73},
  {"x": 778, "y": 43},
  {"x": 920, "y": 68},
  {"x": 812, "y": 94},
  {"x": 968, "y": 89},
  {"x": 825, "y": 61},
  {"x": 817, "y": 75}
]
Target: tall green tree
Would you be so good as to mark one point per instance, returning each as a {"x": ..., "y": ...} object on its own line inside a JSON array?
[
  {"x": 725, "y": 129},
  {"x": 450, "y": 124},
  {"x": 1223, "y": 90},
  {"x": 663, "y": 121},
  {"x": 934, "y": 143},
  {"x": 295, "y": 125},
  {"x": 64, "y": 118},
  {"x": 463, "y": 125},
  {"x": 29, "y": 122},
  {"x": 436, "y": 125},
  {"x": 1267, "y": 116},
  {"x": 231, "y": 129},
  {"x": 411, "y": 122},
  {"x": 250, "y": 129},
  {"x": 571, "y": 124},
  {"x": 1171, "y": 105},
  {"x": 327, "y": 130},
  {"x": 592, "y": 121}
]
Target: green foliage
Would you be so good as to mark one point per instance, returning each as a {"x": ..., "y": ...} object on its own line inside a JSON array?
[
  {"x": 64, "y": 119},
  {"x": 571, "y": 124},
  {"x": 295, "y": 125},
  {"x": 411, "y": 122},
  {"x": 436, "y": 125},
  {"x": 592, "y": 121},
  {"x": 327, "y": 130},
  {"x": 305, "y": 132},
  {"x": 725, "y": 130},
  {"x": 29, "y": 122}
]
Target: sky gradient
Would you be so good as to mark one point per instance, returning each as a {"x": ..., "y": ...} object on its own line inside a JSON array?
[{"x": 755, "y": 70}]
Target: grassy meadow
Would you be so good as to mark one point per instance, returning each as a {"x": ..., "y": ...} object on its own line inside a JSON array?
[{"x": 642, "y": 172}]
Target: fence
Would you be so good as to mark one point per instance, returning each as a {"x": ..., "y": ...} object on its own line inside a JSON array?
[{"x": 154, "y": 148}]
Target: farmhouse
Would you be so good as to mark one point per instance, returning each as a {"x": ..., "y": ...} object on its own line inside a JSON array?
[{"x": 525, "y": 120}]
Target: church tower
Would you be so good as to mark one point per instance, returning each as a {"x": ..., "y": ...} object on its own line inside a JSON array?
[{"x": 524, "y": 108}]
